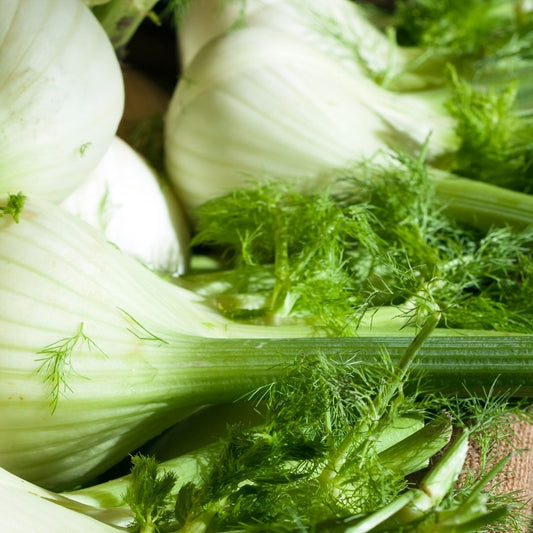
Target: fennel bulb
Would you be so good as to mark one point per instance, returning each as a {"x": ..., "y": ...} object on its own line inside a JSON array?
[
  {"x": 98, "y": 354},
  {"x": 135, "y": 209},
  {"x": 258, "y": 101},
  {"x": 49, "y": 511},
  {"x": 338, "y": 28},
  {"x": 61, "y": 96}
]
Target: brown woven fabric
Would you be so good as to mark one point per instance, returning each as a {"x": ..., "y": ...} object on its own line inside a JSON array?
[{"x": 517, "y": 475}]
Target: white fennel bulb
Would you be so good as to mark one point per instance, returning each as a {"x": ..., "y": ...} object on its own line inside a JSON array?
[
  {"x": 339, "y": 28},
  {"x": 258, "y": 101},
  {"x": 135, "y": 209},
  {"x": 27, "y": 507},
  {"x": 98, "y": 354},
  {"x": 205, "y": 20},
  {"x": 61, "y": 96}
]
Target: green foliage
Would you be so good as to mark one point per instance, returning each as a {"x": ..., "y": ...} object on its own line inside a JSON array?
[
  {"x": 148, "y": 494},
  {"x": 14, "y": 206},
  {"x": 320, "y": 462},
  {"x": 487, "y": 45},
  {"x": 269, "y": 476},
  {"x": 56, "y": 362},
  {"x": 491, "y": 287},
  {"x": 381, "y": 239},
  {"x": 496, "y": 145},
  {"x": 479, "y": 33},
  {"x": 271, "y": 233}
]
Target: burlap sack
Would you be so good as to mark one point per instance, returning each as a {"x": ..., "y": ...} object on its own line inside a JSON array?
[{"x": 517, "y": 475}]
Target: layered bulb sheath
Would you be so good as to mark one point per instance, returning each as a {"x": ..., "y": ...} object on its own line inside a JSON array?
[{"x": 98, "y": 354}]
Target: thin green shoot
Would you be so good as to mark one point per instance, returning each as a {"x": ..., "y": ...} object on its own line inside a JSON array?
[
  {"x": 84, "y": 147},
  {"x": 139, "y": 331},
  {"x": 380, "y": 405},
  {"x": 56, "y": 362}
]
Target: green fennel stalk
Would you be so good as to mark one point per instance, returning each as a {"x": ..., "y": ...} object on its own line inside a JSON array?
[
  {"x": 320, "y": 462},
  {"x": 333, "y": 461}
]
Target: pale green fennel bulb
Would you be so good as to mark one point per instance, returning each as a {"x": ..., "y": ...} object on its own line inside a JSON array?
[
  {"x": 252, "y": 102},
  {"x": 98, "y": 354},
  {"x": 61, "y": 96},
  {"x": 27, "y": 507},
  {"x": 260, "y": 101},
  {"x": 135, "y": 209},
  {"x": 338, "y": 28}
]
